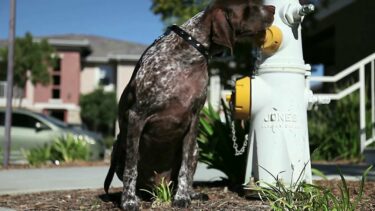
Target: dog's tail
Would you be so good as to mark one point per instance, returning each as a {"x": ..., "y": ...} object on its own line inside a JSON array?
[
  {"x": 108, "y": 178},
  {"x": 112, "y": 167}
]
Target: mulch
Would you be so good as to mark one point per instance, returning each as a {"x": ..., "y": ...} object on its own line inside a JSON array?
[{"x": 220, "y": 198}]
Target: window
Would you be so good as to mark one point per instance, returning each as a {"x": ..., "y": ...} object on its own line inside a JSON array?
[
  {"x": 57, "y": 65},
  {"x": 106, "y": 76},
  {"x": 22, "y": 120},
  {"x": 56, "y": 80},
  {"x": 55, "y": 93}
]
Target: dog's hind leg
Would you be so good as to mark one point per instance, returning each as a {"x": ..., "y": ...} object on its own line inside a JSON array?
[
  {"x": 189, "y": 159},
  {"x": 129, "y": 200}
]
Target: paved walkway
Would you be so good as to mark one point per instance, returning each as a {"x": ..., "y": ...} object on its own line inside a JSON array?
[
  {"x": 350, "y": 171},
  {"x": 34, "y": 180}
]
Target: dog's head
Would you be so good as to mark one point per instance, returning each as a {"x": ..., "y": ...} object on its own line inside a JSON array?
[{"x": 238, "y": 20}]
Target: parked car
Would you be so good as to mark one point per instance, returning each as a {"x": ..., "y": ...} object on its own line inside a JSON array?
[{"x": 31, "y": 130}]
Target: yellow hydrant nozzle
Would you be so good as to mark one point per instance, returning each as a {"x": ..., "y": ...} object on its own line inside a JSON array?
[
  {"x": 273, "y": 40},
  {"x": 241, "y": 98}
]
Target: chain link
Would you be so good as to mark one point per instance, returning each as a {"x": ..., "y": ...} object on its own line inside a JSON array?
[{"x": 235, "y": 145}]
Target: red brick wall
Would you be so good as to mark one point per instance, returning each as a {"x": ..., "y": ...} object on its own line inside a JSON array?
[
  {"x": 42, "y": 93},
  {"x": 70, "y": 77},
  {"x": 69, "y": 81}
]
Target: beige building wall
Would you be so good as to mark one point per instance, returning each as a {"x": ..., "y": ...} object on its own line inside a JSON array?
[
  {"x": 89, "y": 79},
  {"x": 124, "y": 73}
]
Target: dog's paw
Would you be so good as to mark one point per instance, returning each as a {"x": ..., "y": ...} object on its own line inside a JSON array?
[
  {"x": 181, "y": 202},
  {"x": 198, "y": 196},
  {"x": 130, "y": 204}
]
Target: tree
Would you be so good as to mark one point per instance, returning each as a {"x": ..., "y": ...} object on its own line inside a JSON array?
[
  {"x": 31, "y": 62},
  {"x": 177, "y": 11},
  {"x": 99, "y": 110}
]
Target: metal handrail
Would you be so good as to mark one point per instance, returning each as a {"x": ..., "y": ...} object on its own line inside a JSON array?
[{"x": 360, "y": 85}]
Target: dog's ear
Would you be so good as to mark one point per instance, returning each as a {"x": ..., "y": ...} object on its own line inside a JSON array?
[{"x": 222, "y": 32}]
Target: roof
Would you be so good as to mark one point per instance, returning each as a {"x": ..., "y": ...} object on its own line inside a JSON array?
[
  {"x": 105, "y": 49},
  {"x": 100, "y": 49}
]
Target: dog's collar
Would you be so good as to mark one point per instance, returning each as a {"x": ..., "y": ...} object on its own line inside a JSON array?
[{"x": 189, "y": 39}]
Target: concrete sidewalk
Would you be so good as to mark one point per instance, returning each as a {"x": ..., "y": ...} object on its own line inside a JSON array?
[
  {"x": 350, "y": 171},
  {"x": 35, "y": 180}
]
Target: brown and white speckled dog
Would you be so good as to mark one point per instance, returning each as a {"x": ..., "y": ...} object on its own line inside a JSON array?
[{"x": 159, "y": 109}]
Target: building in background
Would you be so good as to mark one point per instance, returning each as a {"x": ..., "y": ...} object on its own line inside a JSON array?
[
  {"x": 339, "y": 34},
  {"x": 85, "y": 63}
]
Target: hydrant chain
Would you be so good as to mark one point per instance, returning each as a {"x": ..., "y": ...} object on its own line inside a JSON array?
[{"x": 235, "y": 145}]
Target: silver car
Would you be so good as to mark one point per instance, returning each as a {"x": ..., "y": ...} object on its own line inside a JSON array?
[{"x": 31, "y": 130}]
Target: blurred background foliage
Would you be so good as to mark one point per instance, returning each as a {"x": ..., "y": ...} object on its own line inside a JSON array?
[
  {"x": 99, "y": 111},
  {"x": 31, "y": 62},
  {"x": 216, "y": 144},
  {"x": 177, "y": 11}
]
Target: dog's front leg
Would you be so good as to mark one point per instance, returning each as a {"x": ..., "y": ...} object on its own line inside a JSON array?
[
  {"x": 186, "y": 173},
  {"x": 129, "y": 200}
]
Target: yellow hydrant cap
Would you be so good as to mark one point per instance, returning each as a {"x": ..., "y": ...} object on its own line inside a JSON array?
[
  {"x": 273, "y": 40},
  {"x": 242, "y": 98}
]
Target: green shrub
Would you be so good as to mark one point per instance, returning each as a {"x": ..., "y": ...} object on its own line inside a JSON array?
[
  {"x": 38, "y": 156},
  {"x": 109, "y": 141},
  {"x": 334, "y": 129},
  {"x": 69, "y": 149},
  {"x": 216, "y": 145},
  {"x": 99, "y": 111},
  {"x": 64, "y": 149}
]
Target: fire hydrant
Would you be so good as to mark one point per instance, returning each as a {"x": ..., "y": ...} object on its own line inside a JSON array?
[{"x": 276, "y": 101}]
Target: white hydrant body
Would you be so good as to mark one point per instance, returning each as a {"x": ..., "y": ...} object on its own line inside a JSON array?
[{"x": 279, "y": 142}]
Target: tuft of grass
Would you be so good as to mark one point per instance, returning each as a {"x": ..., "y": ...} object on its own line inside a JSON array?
[
  {"x": 303, "y": 196},
  {"x": 161, "y": 194}
]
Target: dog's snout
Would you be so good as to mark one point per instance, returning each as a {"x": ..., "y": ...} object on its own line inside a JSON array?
[{"x": 271, "y": 9}]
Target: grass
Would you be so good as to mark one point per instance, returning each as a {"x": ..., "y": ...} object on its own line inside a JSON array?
[
  {"x": 304, "y": 196},
  {"x": 161, "y": 194}
]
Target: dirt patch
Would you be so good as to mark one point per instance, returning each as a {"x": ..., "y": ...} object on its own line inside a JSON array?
[{"x": 220, "y": 198}]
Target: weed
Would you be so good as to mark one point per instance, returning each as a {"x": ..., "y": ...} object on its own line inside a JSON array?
[
  {"x": 161, "y": 193},
  {"x": 303, "y": 196}
]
